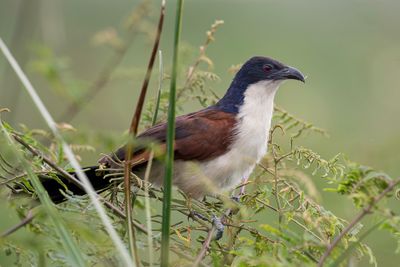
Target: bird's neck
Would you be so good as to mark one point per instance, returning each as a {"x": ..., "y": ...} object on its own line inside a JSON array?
[
  {"x": 233, "y": 98},
  {"x": 254, "y": 121},
  {"x": 255, "y": 113},
  {"x": 262, "y": 93}
]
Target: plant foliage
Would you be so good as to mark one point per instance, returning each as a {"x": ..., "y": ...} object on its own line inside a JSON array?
[{"x": 278, "y": 219}]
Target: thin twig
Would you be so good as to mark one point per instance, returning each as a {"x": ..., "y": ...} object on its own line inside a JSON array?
[
  {"x": 292, "y": 219},
  {"x": 121, "y": 214},
  {"x": 6, "y": 162},
  {"x": 17, "y": 177},
  {"x": 304, "y": 124},
  {"x": 136, "y": 117},
  {"x": 28, "y": 218},
  {"x": 276, "y": 193},
  {"x": 7, "y": 165},
  {"x": 253, "y": 231},
  {"x": 47, "y": 160},
  {"x": 205, "y": 246},
  {"x": 192, "y": 68},
  {"x": 133, "y": 131},
  {"x": 358, "y": 218},
  {"x": 184, "y": 255}
]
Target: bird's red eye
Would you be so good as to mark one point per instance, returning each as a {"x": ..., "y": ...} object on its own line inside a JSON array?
[{"x": 267, "y": 68}]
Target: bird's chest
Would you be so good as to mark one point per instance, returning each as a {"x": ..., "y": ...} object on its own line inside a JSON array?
[
  {"x": 249, "y": 142},
  {"x": 248, "y": 146}
]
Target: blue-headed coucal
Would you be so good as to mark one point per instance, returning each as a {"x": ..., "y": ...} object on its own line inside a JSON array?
[{"x": 215, "y": 147}]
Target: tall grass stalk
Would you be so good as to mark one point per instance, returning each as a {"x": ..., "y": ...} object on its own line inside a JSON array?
[
  {"x": 166, "y": 217},
  {"x": 133, "y": 131},
  {"x": 148, "y": 209},
  {"x": 70, "y": 246},
  {"x": 160, "y": 84},
  {"x": 128, "y": 200},
  {"x": 122, "y": 251},
  {"x": 139, "y": 106}
]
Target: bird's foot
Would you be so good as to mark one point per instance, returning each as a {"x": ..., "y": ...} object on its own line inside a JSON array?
[
  {"x": 219, "y": 227},
  {"x": 216, "y": 223}
]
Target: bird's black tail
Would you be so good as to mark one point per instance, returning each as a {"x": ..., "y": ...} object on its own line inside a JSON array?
[{"x": 56, "y": 189}]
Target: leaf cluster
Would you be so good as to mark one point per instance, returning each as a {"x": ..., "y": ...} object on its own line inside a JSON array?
[{"x": 278, "y": 219}]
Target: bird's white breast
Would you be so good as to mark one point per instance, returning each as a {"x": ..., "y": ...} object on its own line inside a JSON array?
[{"x": 248, "y": 147}]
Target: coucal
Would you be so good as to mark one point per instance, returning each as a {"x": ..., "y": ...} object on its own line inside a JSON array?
[{"x": 216, "y": 147}]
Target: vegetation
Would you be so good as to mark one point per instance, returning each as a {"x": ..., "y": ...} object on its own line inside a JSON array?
[{"x": 278, "y": 219}]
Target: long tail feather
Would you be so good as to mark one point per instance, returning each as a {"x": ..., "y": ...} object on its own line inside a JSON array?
[{"x": 54, "y": 188}]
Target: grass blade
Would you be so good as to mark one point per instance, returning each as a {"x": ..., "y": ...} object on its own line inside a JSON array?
[
  {"x": 65, "y": 236},
  {"x": 124, "y": 255},
  {"x": 166, "y": 214},
  {"x": 128, "y": 203},
  {"x": 160, "y": 83},
  {"x": 147, "y": 209},
  {"x": 133, "y": 131}
]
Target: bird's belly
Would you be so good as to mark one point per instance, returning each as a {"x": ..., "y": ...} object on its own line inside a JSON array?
[{"x": 197, "y": 179}]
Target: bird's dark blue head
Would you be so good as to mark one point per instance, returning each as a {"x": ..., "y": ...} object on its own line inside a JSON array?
[{"x": 256, "y": 69}]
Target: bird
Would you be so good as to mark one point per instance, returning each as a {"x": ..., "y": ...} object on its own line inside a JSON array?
[{"x": 215, "y": 147}]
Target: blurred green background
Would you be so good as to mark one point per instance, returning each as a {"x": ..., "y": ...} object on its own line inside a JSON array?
[{"x": 350, "y": 51}]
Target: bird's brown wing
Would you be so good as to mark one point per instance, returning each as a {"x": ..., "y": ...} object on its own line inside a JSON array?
[{"x": 199, "y": 136}]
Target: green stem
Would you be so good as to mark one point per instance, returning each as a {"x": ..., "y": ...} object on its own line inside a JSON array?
[
  {"x": 128, "y": 203},
  {"x": 160, "y": 81},
  {"x": 170, "y": 144},
  {"x": 147, "y": 209}
]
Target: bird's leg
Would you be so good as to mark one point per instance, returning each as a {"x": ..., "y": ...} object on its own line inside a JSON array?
[
  {"x": 242, "y": 191},
  {"x": 219, "y": 226},
  {"x": 243, "y": 188},
  {"x": 216, "y": 221},
  {"x": 196, "y": 214},
  {"x": 219, "y": 222}
]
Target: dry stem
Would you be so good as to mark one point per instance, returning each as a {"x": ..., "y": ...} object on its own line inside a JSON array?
[{"x": 358, "y": 218}]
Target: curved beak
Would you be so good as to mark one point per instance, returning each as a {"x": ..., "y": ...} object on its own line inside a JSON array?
[{"x": 289, "y": 73}]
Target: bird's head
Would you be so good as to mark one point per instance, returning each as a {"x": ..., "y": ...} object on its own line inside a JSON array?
[
  {"x": 264, "y": 73},
  {"x": 258, "y": 69}
]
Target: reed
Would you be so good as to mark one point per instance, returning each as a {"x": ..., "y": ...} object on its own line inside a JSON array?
[{"x": 166, "y": 210}]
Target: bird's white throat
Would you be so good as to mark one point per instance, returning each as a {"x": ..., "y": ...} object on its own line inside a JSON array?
[
  {"x": 250, "y": 139},
  {"x": 254, "y": 119}
]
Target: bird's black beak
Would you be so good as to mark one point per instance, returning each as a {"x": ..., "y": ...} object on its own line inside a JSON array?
[{"x": 289, "y": 73}]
